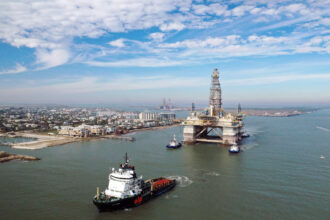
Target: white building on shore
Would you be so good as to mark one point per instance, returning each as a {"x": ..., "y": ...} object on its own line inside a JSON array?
[{"x": 148, "y": 116}]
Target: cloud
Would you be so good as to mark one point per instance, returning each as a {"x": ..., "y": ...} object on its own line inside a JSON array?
[
  {"x": 235, "y": 45},
  {"x": 139, "y": 62},
  {"x": 18, "y": 69},
  {"x": 52, "y": 57},
  {"x": 117, "y": 43},
  {"x": 208, "y": 42},
  {"x": 49, "y": 26},
  {"x": 172, "y": 26},
  {"x": 241, "y": 10},
  {"x": 158, "y": 36},
  {"x": 211, "y": 49},
  {"x": 216, "y": 9},
  {"x": 276, "y": 79},
  {"x": 56, "y": 28},
  {"x": 90, "y": 88}
]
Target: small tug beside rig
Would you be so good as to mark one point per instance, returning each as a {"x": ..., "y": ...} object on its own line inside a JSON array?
[
  {"x": 174, "y": 143},
  {"x": 125, "y": 190}
]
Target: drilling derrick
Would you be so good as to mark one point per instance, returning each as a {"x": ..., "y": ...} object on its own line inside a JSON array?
[
  {"x": 215, "y": 94},
  {"x": 213, "y": 126}
]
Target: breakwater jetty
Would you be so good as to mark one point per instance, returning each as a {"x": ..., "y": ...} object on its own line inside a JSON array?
[{"x": 6, "y": 157}]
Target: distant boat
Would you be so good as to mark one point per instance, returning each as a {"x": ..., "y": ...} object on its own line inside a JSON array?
[
  {"x": 322, "y": 157},
  {"x": 234, "y": 149},
  {"x": 173, "y": 143}
]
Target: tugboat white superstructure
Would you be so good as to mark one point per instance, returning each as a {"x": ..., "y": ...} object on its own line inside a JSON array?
[
  {"x": 123, "y": 182},
  {"x": 234, "y": 149},
  {"x": 173, "y": 143},
  {"x": 126, "y": 190}
]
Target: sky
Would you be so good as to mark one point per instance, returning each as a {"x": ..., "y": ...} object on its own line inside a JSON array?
[{"x": 128, "y": 52}]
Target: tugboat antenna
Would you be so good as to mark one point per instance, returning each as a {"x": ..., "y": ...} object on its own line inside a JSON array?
[{"x": 126, "y": 158}]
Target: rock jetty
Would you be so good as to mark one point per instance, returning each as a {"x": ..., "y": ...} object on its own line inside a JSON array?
[{"x": 5, "y": 157}]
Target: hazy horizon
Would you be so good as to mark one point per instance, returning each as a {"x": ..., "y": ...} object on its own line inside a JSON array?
[{"x": 157, "y": 105}]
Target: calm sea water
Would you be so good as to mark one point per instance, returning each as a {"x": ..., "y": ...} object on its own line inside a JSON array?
[
  {"x": 279, "y": 175},
  {"x": 15, "y": 140}
]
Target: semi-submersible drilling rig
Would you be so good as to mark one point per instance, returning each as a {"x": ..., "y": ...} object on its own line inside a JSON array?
[{"x": 213, "y": 125}]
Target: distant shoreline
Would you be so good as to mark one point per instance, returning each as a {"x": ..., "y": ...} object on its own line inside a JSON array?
[
  {"x": 274, "y": 112},
  {"x": 42, "y": 141}
]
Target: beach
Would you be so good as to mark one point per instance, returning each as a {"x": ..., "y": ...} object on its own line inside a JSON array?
[{"x": 44, "y": 140}]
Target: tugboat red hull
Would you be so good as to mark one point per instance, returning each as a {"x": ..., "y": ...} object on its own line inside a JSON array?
[{"x": 130, "y": 202}]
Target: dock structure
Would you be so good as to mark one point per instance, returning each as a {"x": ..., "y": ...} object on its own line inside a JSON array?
[{"x": 213, "y": 125}]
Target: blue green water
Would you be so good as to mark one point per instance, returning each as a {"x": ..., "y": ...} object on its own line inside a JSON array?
[
  {"x": 279, "y": 175},
  {"x": 6, "y": 140}
]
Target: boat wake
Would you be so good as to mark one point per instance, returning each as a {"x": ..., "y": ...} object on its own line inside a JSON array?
[
  {"x": 253, "y": 131},
  {"x": 182, "y": 181},
  {"x": 202, "y": 174},
  {"x": 171, "y": 196},
  {"x": 248, "y": 146},
  {"x": 323, "y": 129},
  {"x": 212, "y": 174}
]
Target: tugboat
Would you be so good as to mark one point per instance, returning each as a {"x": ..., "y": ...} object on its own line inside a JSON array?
[
  {"x": 125, "y": 190},
  {"x": 174, "y": 143},
  {"x": 245, "y": 134},
  {"x": 234, "y": 149}
]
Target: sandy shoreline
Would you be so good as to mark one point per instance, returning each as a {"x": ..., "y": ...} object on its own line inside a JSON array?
[{"x": 43, "y": 141}]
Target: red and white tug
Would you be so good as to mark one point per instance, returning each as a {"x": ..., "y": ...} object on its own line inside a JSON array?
[{"x": 126, "y": 190}]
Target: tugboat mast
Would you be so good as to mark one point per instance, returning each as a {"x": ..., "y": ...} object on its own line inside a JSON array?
[{"x": 126, "y": 159}]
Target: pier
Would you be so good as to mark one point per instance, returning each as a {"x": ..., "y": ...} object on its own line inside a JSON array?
[{"x": 213, "y": 125}]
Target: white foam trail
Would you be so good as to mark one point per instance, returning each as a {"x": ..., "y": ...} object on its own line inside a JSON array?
[
  {"x": 323, "y": 129},
  {"x": 253, "y": 130},
  {"x": 171, "y": 197},
  {"x": 249, "y": 146},
  {"x": 182, "y": 181},
  {"x": 212, "y": 174}
]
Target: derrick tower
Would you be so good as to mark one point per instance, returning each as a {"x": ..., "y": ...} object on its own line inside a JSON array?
[{"x": 215, "y": 93}]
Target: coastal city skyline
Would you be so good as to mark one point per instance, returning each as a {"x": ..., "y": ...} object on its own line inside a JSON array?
[{"x": 269, "y": 53}]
